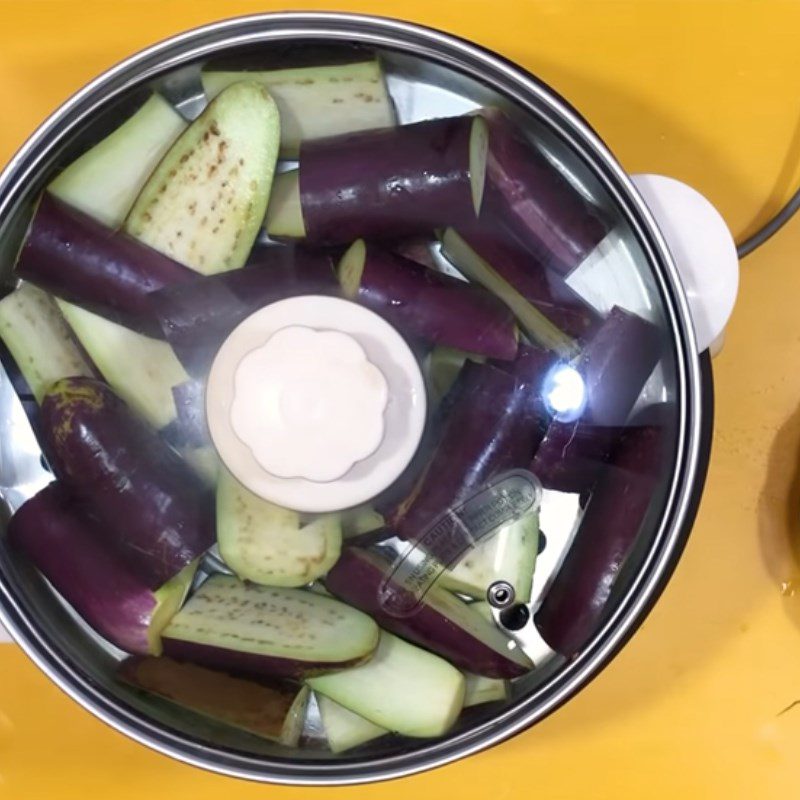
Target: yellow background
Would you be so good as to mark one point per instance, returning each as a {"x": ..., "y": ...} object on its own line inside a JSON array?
[{"x": 708, "y": 92}]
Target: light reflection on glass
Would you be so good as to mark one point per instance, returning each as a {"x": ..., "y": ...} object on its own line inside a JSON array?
[{"x": 564, "y": 392}]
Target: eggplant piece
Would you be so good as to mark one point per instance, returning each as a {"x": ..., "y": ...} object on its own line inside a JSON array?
[
  {"x": 74, "y": 552},
  {"x": 265, "y": 543},
  {"x": 424, "y": 303},
  {"x": 536, "y": 324},
  {"x": 546, "y": 290},
  {"x": 256, "y": 630},
  {"x": 345, "y": 730},
  {"x": 402, "y": 688},
  {"x": 391, "y": 504},
  {"x": 105, "y": 181},
  {"x": 532, "y": 368},
  {"x": 318, "y": 101},
  {"x": 360, "y": 520},
  {"x": 480, "y": 689},
  {"x": 204, "y": 462},
  {"x": 197, "y": 317},
  {"x": 441, "y": 623},
  {"x": 273, "y": 711},
  {"x": 508, "y": 555},
  {"x": 613, "y": 369},
  {"x": 39, "y": 340},
  {"x": 481, "y": 435},
  {"x": 76, "y": 258},
  {"x": 554, "y": 220},
  {"x": 153, "y": 506},
  {"x": 389, "y": 183},
  {"x": 204, "y": 203},
  {"x": 575, "y": 603},
  {"x": 141, "y": 370},
  {"x": 443, "y": 367}
]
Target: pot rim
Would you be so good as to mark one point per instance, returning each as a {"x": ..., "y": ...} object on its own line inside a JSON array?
[{"x": 693, "y": 425}]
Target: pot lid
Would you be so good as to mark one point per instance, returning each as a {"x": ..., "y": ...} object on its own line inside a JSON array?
[{"x": 416, "y": 333}]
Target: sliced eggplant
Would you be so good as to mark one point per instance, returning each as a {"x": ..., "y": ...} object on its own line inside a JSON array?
[
  {"x": 481, "y": 436},
  {"x": 318, "y": 101},
  {"x": 532, "y": 368},
  {"x": 537, "y": 325},
  {"x": 480, "y": 689},
  {"x": 285, "y": 212},
  {"x": 273, "y": 711},
  {"x": 105, "y": 181},
  {"x": 76, "y": 258},
  {"x": 204, "y": 204},
  {"x": 611, "y": 373},
  {"x": 153, "y": 507},
  {"x": 441, "y": 622},
  {"x": 360, "y": 520},
  {"x": 39, "y": 339},
  {"x": 141, "y": 370},
  {"x": 345, "y": 730},
  {"x": 490, "y": 241},
  {"x": 265, "y": 543},
  {"x": 421, "y": 302},
  {"x": 444, "y": 364},
  {"x": 383, "y": 184},
  {"x": 75, "y": 553},
  {"x": 402, "y": 688},
  {"x": 537, "y": 201},
  {"x": 256, "y": 630},
  {"x": 508, "y": 555},
  {"x": 576, "y": 601}
]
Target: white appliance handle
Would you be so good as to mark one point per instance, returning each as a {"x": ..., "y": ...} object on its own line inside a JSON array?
[{"x": 703, "y": 250}]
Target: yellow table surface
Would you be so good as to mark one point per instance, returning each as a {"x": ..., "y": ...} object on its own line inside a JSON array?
[{"x": 706, "y": 92}]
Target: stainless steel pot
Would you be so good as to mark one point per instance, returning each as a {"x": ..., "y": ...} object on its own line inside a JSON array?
[{"x": 431, "y": 73}]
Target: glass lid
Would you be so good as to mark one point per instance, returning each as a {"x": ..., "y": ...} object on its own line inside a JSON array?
[{"x": 352, "y": 402}]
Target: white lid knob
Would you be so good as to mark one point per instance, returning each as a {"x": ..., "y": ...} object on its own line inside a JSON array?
[
  {"x": 308, "y": 404},
  {"x": 315, "y": 403},
  {"x": 703, "y": 250}
]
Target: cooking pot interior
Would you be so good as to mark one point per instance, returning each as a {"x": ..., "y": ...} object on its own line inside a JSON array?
[{"x": 618, "y": 273}]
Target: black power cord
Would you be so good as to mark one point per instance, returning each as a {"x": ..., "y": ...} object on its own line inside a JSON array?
[{"x": 771, "y": 228}]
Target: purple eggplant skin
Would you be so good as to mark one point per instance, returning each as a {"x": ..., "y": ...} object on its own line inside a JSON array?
[
  {"x": 389, "y": 183},
  {"x": 196, "y": 318},
  {"x": 357, "y": 579},
  {"x": 531, "y": 368},
  {"x": 478, "y": 440},
  {"x": 436, "y": 307},
  {"x": 555, "y": 221},
  {"x": 76, "y": 258},
  {"x": 393, "y": 501},
  {"x": 614, "y": 366},
  {"x": 153, "y": 507},
  {"x": 575, "y": 603},
  {"x": 542, "y": 287},
  {"x": 249, "y": 665},
  {"x": 71, "y": 550}
]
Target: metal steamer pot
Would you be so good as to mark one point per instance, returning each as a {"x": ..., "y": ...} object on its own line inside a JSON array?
[{"x": 429, "y": 74}]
